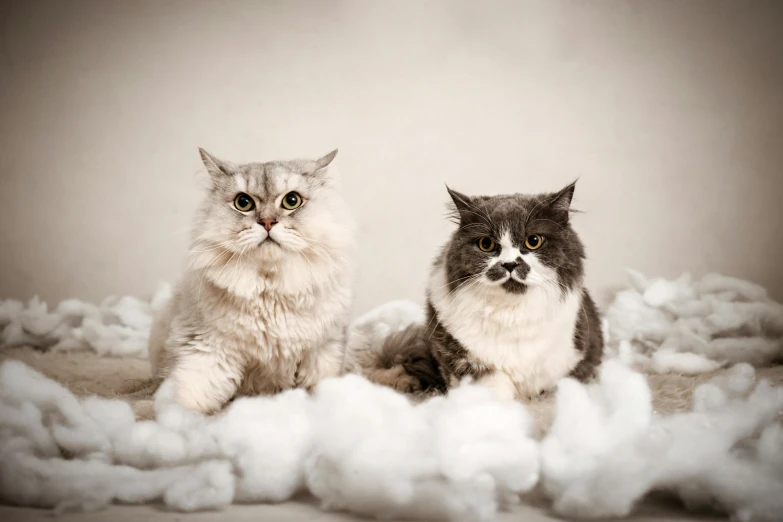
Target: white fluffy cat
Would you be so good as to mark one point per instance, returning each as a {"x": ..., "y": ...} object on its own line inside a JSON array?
[{"x": 264, "y": 303}]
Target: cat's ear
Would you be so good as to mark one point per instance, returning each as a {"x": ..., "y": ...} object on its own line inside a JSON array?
[
  {"x": 462, "y": 203},
  {"x": 560, "y": 202},
  {"x": 215, "y": 167},
  {"x": 325, "y": 161}
]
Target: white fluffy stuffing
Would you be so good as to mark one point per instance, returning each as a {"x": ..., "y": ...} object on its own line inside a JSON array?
[
  {"x": 455, "y": 458},
  {"x": 118, "y": 326},
  {"x": 694, "y": 327},
  {"x": 366, "y": 449},
  {"x": 607, "y": 449},
  {"x": 452, "y": 458}
]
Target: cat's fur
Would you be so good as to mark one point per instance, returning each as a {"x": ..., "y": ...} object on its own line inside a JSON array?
[
  {"x": 517, "y": 331},
  {"x": 258, "y": 312}
]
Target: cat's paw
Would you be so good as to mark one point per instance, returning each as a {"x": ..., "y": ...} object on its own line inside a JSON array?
[
  {"x": 410, "y": 385},
  {"x": 396, "y": 378},
  {"x": 406, "y": 383},
  {"x": 204, "y": 392},
  {"x": 500, "y": 383},
  {"x": 198, "y": 400},
  {"x": 325, "y": 365}
]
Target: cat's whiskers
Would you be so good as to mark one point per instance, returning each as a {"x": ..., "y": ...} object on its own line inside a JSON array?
[
  {"x": 217, "y": 279},
  {"x": 565, "y": 290},
  {"x": 452, "y": 282},
  {"x": 550, "y": 220},
  {"x": 462, "y": 288},
  {"x": 303, "y": 245},
  {"x": 204, "y": 274},
  {"x": 481, "y": 225},
  {"x": 321, "y": 249},
  {"x": 316, "y": 249},
  {"x": 484, "y": 293},
  {"x": 313, "y": 241},
  {"x": 306, "y": 257},
  {"x": 238, "y": 268},
  {"x": 548, "y": 279},
  {"x": 482, "y": 211},
  {"x": 323, "y": 255},
  {"x": 224, "y": 246},
  {"x": 542, "y": 202},
  {"x": 453, "y": 290},
  {"x": 482, "y": 216}
]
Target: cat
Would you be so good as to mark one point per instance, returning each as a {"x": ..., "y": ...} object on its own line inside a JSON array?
[
  {"x": 264, "y": 303},
  {"x": 506, "y": 304}
]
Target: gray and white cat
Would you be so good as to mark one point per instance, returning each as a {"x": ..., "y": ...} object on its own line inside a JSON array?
[
  {"x": 264, "y": 303},
  {"x": 506, "y": 303}
]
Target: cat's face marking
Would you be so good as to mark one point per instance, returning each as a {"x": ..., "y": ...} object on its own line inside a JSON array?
[
  {"x": 258, "y": 209},
  {"x": 512, "y": 242}
]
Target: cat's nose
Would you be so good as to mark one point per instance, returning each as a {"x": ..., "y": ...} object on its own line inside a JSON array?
[
  {"x": 268, "y": 223},
  {"x": 510, "y": 266}
]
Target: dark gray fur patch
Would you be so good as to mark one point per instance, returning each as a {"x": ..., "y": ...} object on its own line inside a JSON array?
[
  {"x": 588, "y": 339},
  {"x": 410, "y": 348}
]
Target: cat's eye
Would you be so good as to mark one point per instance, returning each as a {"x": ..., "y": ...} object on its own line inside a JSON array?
[
  {"x": 534, "y": 242},
  {"x": 291, "y": 201},
  {"x": 486, "y": 244},
  {"x": 243, "y": 202}
]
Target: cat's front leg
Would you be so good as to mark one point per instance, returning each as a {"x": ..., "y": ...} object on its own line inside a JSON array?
[
  {"x": 500, "y": 383},
  {"x": 322, "y": 363},
  {"x": 205, "y": 380}
]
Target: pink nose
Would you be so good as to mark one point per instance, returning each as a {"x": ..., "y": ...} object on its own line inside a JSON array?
[{"x": 268, "y": 223}]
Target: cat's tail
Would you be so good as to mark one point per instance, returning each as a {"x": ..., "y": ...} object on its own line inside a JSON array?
[
  {"x": 139, "y": 389},
  {"x": 405, "y": 362}
]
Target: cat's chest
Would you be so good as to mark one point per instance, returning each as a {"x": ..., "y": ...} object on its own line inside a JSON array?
[
  {"x": 511, "y": 337},
  {"x": 269, "y": 326},
  {"x": 532, "y": 340}
]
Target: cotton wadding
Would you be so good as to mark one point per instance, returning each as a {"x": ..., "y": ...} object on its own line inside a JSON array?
[
  {"x": 118, "y": 326},
  {"x": 686, "y": 363},
  {"x": 451, "y": 458},
  {"x": 595, "y": 468},
  {"x": 673, "y": 326},
  {"x": 717, "y": 284},
  {"x": 662, "y": 291}
]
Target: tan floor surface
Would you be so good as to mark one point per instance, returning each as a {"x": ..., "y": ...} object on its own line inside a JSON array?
[{"x": 306, "y": 509}]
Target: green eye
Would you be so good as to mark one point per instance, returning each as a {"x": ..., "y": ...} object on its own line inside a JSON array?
[
  {"x": 291, "y": 201},
  {"x": 486, "y": 244},
  {"x": 534, "y": 242},
  {"x": 243, "y": 202}
]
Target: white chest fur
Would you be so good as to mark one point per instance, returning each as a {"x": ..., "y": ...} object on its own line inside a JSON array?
[{"x": 528, "y": 337}]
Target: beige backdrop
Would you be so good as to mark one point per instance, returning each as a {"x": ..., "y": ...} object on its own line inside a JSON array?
[{"x": 670, "y": 113}]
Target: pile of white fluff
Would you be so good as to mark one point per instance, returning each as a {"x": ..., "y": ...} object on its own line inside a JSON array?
[
  {"x": 354, "y": 445},
  {"x": 691, "y": 327},
  {"x": 366, "y": 449},
  {"x": 118, "y": 326},
  {"x": 607, "y": 448}
]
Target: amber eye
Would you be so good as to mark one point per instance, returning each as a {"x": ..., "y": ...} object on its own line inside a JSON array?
[
  {"x": 243, "y": 202},
  {"x": 487, "y": 244},
  {"x": 534, "y": 242},
  {"x": 291, "y": 201}
]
